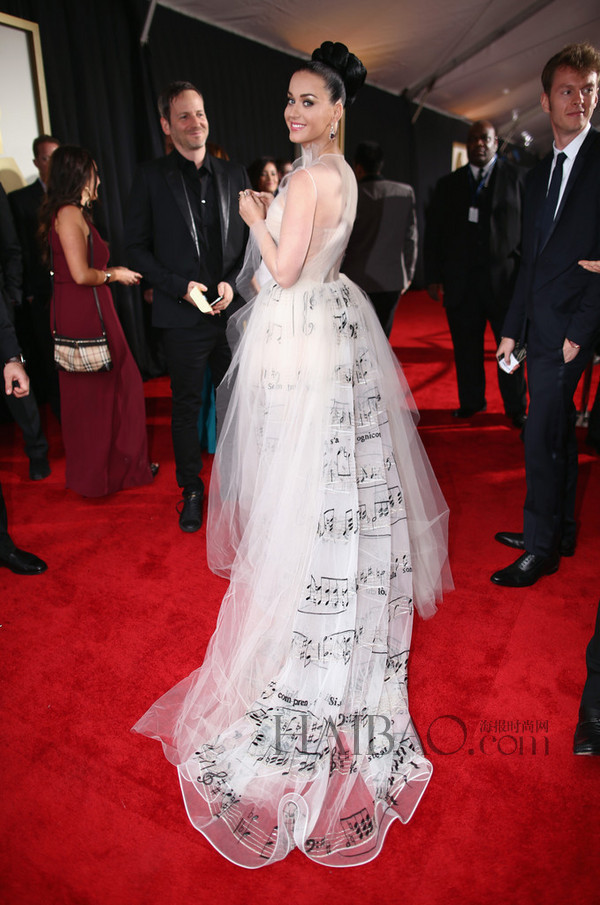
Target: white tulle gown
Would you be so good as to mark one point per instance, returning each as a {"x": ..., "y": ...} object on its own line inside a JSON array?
[{"x": 326, "y": 516}]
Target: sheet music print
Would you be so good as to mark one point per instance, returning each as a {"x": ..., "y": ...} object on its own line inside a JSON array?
[
  {"x": 358, "y": 826},
  {"x": 340, "y": 415},
  {"x": 337, "y": 646},
  {"x": 345, "y": 315},
  {"x": 246, "y": 828},
  {"x": 326, "y": 595},
  {"x": 334, "y": 528}
]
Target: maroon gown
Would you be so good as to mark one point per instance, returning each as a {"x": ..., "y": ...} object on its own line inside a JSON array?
[{"x": 103, "y": 415}]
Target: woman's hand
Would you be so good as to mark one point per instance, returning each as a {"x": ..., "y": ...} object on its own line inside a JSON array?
[
  {"x": 592, "y": 266},
  {"x": 124, "y": 275},
  {"x": 252, "y": 206}
]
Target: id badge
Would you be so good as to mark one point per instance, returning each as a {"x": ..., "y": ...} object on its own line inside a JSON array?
[{"x": 473, "y": 215}]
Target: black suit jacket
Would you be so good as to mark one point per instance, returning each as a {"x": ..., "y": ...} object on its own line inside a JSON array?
[
  {"x": 11, "y": 264},
  {"x": 446, "y": 245},
  {"x": 160, "y": 239},
  {"x": 9, "y": 346},
  {"x": 553, "y": 291},
  {"x": 25, "y": 204}
]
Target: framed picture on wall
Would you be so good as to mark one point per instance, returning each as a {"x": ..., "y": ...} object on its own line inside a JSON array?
[
  {"x": 23, "y": 101},
  {"x": 459, "y": 155}
]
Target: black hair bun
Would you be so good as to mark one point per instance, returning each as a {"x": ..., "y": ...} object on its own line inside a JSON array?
[{"x": 346, "y": 64}]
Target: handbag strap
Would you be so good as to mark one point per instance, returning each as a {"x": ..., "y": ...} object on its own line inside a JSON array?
[{"x": 91, "y": 246}]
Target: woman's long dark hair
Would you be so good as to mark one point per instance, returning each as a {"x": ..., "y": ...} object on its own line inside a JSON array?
[{"x": 70, "y": 170}]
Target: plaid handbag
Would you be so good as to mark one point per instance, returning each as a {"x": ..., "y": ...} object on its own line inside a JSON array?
[{"x": 81, "y": 355}]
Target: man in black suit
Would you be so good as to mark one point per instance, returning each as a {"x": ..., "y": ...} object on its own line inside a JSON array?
[
  {"x": 16, "y": 383},
  {"x": 556, "y": 304},
  {"x": 471, "y": 248},
  {"x": 382, "y": 249},
  {"x": 184, "y": 233},
  {"x": 23, "y": 407},
  {"x": 25, "y": 204}
]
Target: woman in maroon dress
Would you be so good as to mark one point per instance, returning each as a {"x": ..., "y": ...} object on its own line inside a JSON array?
[{"x": 103, "y": 414}]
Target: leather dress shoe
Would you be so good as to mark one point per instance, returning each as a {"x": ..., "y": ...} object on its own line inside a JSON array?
[
  {"x": 190, "y": 514},
  {"x": 39, "y": 468},
  {"x": 519, "y": 420},
  {"x": 526, "y": 570},
  {"x": 468, "y": 413},
  {"x": 23, "y": 563},
  {"x": 587, "y": 736},
  {"x": 515, "y": 540}
]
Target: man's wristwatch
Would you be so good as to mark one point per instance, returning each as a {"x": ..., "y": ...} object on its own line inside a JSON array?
[{"x": 14, "y": 359}]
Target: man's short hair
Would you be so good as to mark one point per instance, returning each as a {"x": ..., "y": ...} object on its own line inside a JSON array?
[
  {"x": 580, "y": 57},
  {"x": 369, "y": 155},
  {"x": 166, "y": 97},
  {"x": 42, "y": 140}
]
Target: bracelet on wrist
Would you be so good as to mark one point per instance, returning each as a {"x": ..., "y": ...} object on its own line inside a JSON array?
[{"x": 107, "y": 276}]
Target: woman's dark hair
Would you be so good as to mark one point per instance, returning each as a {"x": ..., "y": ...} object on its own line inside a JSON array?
[
  {"x": 255, "y": 170},
  {"x": 342, "y": 72},
  {"x": 69, "y": 173}
]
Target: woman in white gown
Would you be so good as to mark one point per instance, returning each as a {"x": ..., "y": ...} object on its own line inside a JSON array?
[{"x": 326, "y": 517}]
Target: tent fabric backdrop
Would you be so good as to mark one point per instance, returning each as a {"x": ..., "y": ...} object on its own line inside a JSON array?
[{"x": 92, "y": 814}]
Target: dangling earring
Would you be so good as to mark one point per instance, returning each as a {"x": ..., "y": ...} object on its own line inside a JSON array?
[{"x": 332, "y": 132}]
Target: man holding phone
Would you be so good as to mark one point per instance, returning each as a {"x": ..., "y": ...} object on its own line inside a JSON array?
[
  {"x": 556, "y": 306},
  {"x": 184, "y": 235}
]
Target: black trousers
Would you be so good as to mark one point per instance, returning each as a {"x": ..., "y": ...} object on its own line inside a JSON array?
[
  {"x": 188, "y": 350},
  {"x": 550, "y": 447},
  {"x": 6, "y": 544},
  {"x": 26, "y": 413},
  {"x": 385, "y": 304},
  {"x": 590, "y": 699},
  {"x": 467, "y": 319}
]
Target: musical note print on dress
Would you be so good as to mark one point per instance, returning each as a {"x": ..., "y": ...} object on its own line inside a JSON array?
[{"x": 326, "y": 517}]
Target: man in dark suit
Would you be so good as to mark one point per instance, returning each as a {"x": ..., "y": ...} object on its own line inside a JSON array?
[
  {"x": 25, "y": 204},
  {"x": 183, "y": 233},
  {"x": 23, "y": 407},
  {"x": 472, "y": 237},
  {"x": 556, "y": 304},
  {"x": 382, "y": 250},
  {"x": 16, "y": 383}
]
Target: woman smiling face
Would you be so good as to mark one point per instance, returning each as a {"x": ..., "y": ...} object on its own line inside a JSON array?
[{"x": 309, "y": 113}]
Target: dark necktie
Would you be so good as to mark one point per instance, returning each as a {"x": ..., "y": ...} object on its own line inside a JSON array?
[{"x": 551, "y": 201}]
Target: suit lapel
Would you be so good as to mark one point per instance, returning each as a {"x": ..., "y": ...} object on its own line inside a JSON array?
[
  {"x": 222, "y": 186},
  {"x": 578, "y": 164},
  {"x": 175, "y": 182},
  {"x": 539, "y": 191},
  {"x": 575, "y": 170}
]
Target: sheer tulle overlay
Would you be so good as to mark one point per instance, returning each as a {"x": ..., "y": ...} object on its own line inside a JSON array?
[{"x": 326, "y": 516}]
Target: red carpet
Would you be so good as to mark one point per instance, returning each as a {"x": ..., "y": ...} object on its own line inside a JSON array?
[{"x": 92, "y": 815}]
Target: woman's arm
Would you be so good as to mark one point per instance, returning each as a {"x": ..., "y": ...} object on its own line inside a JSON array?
[
  {"x": 72, "y": 231},
  {"x": 285, "y": 260}
]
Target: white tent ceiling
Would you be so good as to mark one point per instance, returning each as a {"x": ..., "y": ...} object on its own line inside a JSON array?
[{"x": 405, "y": 43}]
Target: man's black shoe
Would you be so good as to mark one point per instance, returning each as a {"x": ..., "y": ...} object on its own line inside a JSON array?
[
  {"x": 23, "y": 563},
  {"x": 39, "y": 468},
  {"x": 587, "y": 736},
  {"x": 468, "y": 413},
  {"x": 526, "y": 570},
  {"x": 515, "y": 540},
  {"x": 190, "y": 513}
]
